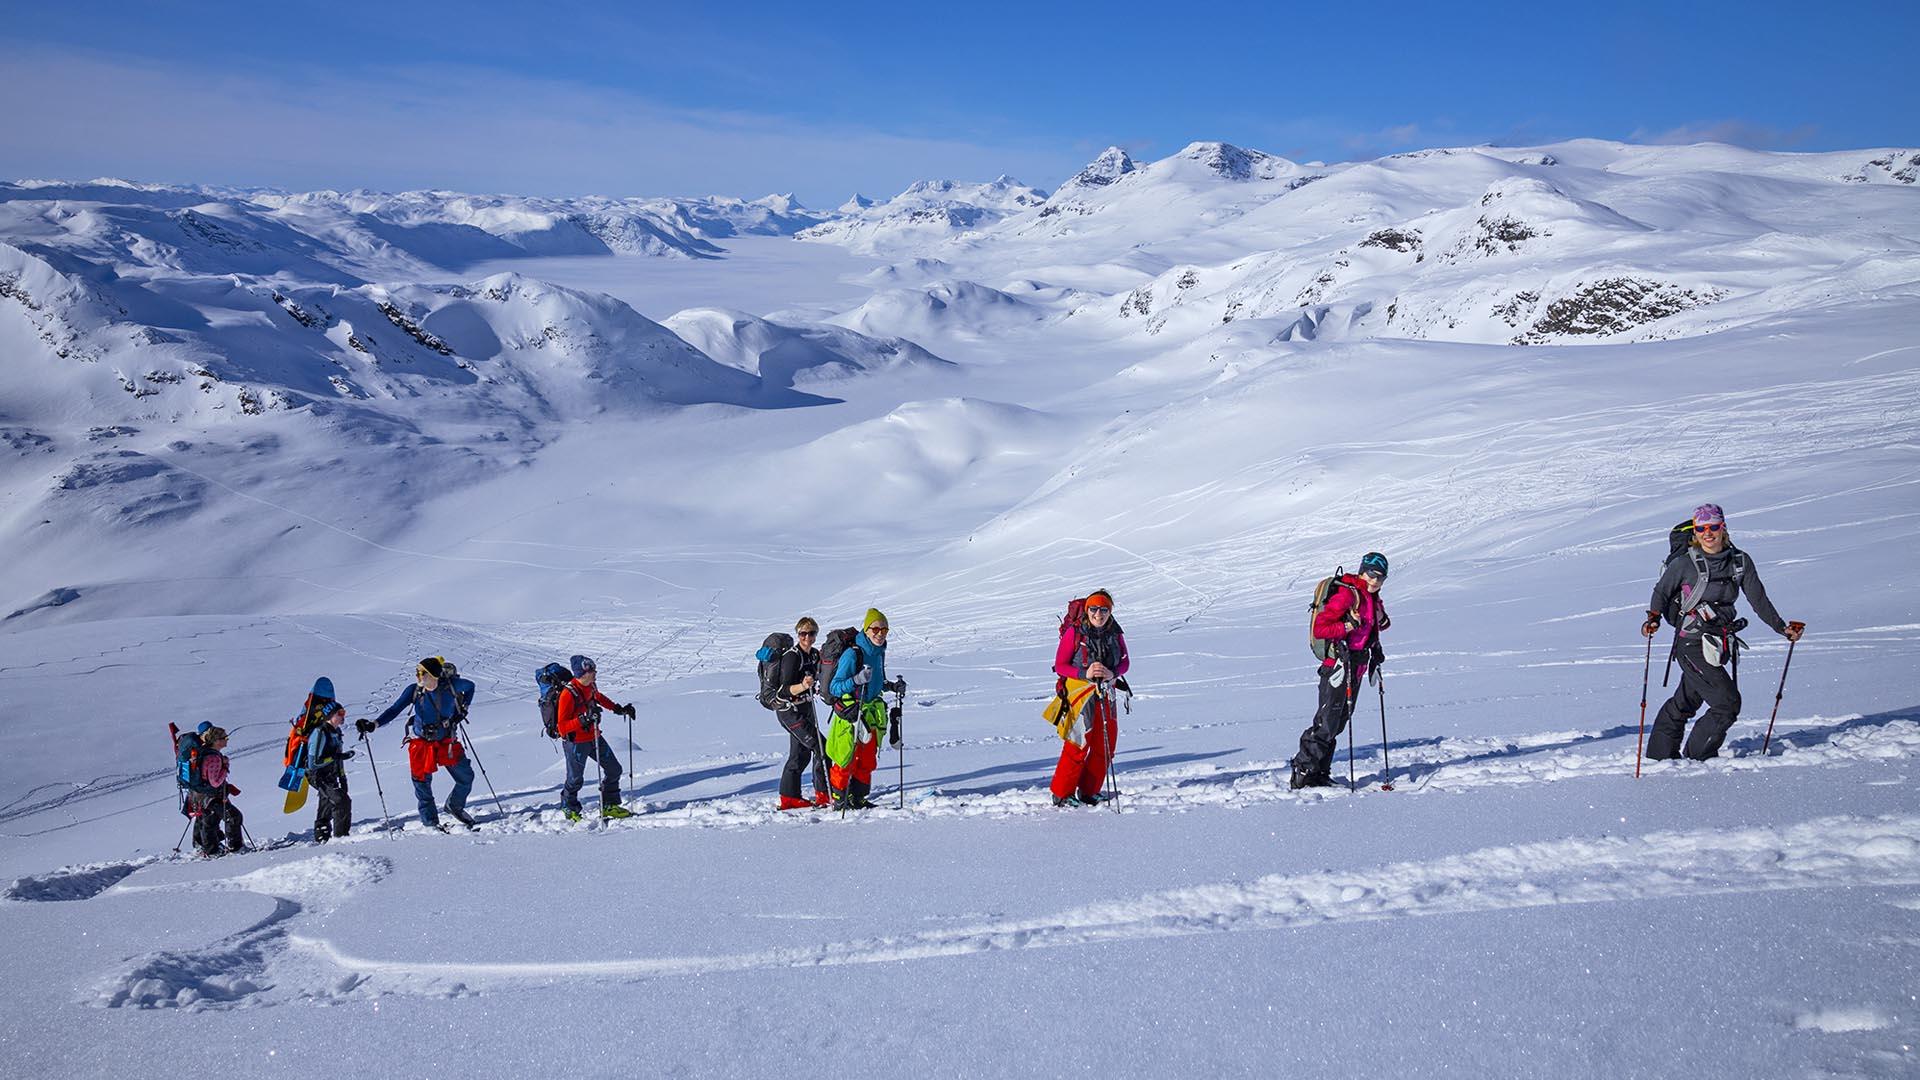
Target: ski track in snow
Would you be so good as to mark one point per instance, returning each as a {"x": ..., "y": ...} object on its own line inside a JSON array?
[{"x": 271, "y": 962}]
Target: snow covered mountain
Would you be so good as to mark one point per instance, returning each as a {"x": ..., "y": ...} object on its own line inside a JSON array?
[
  {"x": 928, "y": 212},
  {"x": 1576, "y": 242},
  {"x": 243, "y": 445}
]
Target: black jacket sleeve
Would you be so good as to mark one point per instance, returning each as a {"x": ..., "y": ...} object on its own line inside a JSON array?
[
  {"x": 1757, "y": 596},
  {"x": 1669, "y": 583}
]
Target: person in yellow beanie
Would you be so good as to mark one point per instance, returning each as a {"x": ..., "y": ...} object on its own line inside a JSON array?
[{"x": 860, "y": 713}]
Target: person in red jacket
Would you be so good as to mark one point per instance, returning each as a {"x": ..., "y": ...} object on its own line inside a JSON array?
[
  {"x": 1351, "y": 620},
  {"x": 1095, "y": 651},
  {"x": 578, "y": 722}
]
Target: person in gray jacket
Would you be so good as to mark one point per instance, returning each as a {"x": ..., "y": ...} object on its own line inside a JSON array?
[{"x": 1696, "y": 593}]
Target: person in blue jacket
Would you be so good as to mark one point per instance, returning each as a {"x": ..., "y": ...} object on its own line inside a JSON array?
[
  {"x": 439, "y": 698},
  {"x": 860, "y": 717}
]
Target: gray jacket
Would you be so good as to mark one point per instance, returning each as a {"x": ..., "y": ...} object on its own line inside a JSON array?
[{"x": 1715, "y": 604}]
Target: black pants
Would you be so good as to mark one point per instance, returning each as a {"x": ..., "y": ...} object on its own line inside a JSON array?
[
  {"x": 1322, "y": 737},
  {"x": 1699, "y": 682},
  {"x": 334, "y": 813},
  {"x": 216, "y": 815},
  {"x": 803, "y": 748}
]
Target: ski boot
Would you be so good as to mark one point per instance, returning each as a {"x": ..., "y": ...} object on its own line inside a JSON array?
[
  {"x": 788, "y": 802},
  {"x": 573, "y": 815},
  {"x": 459, "y": 814},
  {"x": 822, "y": 799},
  {"x": 615, "y": 811}
]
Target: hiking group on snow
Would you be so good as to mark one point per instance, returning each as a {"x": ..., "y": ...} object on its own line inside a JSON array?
[{"x": 1703, "y": 576}]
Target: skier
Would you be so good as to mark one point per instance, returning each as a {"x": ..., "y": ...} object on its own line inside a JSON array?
[
  {"x": 798, "y": 668},
  {"x": 860, "y": 713},
  {"x": 326, "y": 764},
  {"x": 579, "y": 727},
  {"x": 1351, "y": 619},
  {"x": 1095, "y": 651},
  {"x": 1697, "y": 592},
  {"x": 439, "y": 704},
  {"x": 210, "y": 798}
]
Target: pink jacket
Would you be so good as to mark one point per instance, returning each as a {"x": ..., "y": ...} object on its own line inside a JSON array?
[{"x": 1370, "y": 614}]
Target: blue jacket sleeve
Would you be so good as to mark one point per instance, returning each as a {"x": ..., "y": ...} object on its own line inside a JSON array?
[
  {"x": 843, "y": 672},
  {"x": 393, "y": 710},
  {"x": 463, "y": 689}
]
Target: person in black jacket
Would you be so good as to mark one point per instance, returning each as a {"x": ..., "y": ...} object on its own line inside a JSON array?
[
  {"x": 799, "y": 668},
  {"x": 327, "y": 755},
  {"x": 1697, "y": 592}
]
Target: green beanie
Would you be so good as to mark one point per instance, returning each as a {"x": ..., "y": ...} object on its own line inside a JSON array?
[{"x": 873, "y": 616}]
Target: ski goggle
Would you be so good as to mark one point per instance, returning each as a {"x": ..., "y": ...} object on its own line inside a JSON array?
[{"x": 1709, "y": 526}]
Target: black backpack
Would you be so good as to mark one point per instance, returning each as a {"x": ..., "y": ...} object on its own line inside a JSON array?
[
  {"x": 772, "y": 694},
  {"x": 552, "y": 680},
  {"x": 832, "y": 646}
]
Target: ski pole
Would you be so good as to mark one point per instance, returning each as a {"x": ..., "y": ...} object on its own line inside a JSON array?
[
  {"x": 183, "y": 836},
  {"x": 465, "y": 734},
  {"x": 1646, "y": 672},
  {"x": 1777, "y": 695},
  {"x": 386, "y": 823},
  {"x": 899, "y": 710},
  {"x": 1380, "y": 682},
  {"x": 630, "y": 752},
  {"x": 1348, "y": 718}
]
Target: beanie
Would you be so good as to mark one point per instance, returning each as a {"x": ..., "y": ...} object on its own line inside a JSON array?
[
  {"x": 873, "y": 616},
  {"x": 1100, "y": 598},
  {"x": 432, "y": 666},
  {"x": 581, "y": 664},
  {"x": 1708, "y": 514}
]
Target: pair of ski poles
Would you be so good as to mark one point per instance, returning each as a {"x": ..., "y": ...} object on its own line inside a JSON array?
[
  {"x": 1386, "y": 766},
  {"x": 1646, "y": 673}
]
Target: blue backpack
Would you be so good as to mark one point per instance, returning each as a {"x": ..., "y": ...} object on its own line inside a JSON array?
[{"x": 552, "y": 681}]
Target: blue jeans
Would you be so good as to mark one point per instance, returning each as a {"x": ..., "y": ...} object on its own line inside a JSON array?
[
  {"x": 462, "y": 775},
  {"x": 578, "y": 754}
]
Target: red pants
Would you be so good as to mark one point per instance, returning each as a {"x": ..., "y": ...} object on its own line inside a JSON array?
[
  {"x": 859, "y": 770},
  {"x": 1083, "y": 769}
]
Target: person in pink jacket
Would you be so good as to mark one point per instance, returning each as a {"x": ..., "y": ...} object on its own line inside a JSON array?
[
  {"x": 1094, "y": 650},
  {"x": 210, "y": 800},
  {"x": 1351, "y": 621}
]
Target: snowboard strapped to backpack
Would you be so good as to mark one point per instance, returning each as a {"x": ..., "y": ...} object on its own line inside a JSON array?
[
  {"x": 832, "y": 646},
  {"x": 772, "y": 694},
  {"x": 552, "y": 680},
  {"x": 1323, "y": 592}
]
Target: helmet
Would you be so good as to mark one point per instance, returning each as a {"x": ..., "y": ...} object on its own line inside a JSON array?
[{"x": 1373, "y": 563}]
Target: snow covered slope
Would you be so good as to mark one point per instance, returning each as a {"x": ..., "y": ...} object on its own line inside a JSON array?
[
  {"x": 1001, "y": 438},
  {"x": 928, "y": 212}
]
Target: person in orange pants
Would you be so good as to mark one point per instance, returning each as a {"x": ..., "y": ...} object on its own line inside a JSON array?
[{"x": 1092, "y": 649}]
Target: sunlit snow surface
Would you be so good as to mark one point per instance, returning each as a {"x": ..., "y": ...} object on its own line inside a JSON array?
[{"x": 966, "y": 427}]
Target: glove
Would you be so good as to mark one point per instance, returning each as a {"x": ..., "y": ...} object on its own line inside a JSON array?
[
  {"x": 345, "y": 754},
  {"x": 1651, "y": 626},
  {"x": 863, "y": 676},
  {"x": 893, "y": 727},
  {"x": 231, "y": 790},
  {"x": 1793, "y": 631},
  {"x": 365, "y": 726},
  {"x": 627, "y": 710},
  {"x": 898, "y": 685},
  {"x": 1376, "y": 657},
  {"x": 1386, "y": 621}
]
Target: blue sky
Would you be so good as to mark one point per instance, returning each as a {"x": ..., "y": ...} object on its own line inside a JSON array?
[{"x": 822, "y": 100}]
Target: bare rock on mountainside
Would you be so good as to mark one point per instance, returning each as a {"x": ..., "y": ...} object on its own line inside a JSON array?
[
  {"x": 1112, "y": 164},
  {"x": 1236, "y": 163},
  {"x": 1612, "y": 306},
  {"x": 1900, "y": 167}
]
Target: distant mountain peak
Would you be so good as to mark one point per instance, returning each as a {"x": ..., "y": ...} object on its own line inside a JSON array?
[
  {"x": 1233, "y": 162},
  {"x": 1111, "y": 165}
]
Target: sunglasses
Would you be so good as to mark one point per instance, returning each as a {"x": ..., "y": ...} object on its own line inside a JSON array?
[
  {"x": 1099, "y": 610},
  {"x": 878, "y": 629},
  {"x": 808, "y": 633},
  {"x": 1709, "y": 527}
]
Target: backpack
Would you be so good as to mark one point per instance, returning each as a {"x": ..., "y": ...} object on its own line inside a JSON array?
[
  {"x": 1687, "y": 596},
  {"x": 552, "y": 680},
  {"x": 1323, "y": 592},
  {"x": 772, "y": 693},
  {"x": 832, "y": 646},
  {"x": 300, "y": 727},
  {"x": 186, "y": 756}
]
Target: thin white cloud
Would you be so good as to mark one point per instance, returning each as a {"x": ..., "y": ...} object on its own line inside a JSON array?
[
  {"x": 449, "y": 127},
  {"x": 1732, "y": 132}
]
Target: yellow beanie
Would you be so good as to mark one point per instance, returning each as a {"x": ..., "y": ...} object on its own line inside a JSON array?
[{"x": 873, "y": 616}]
